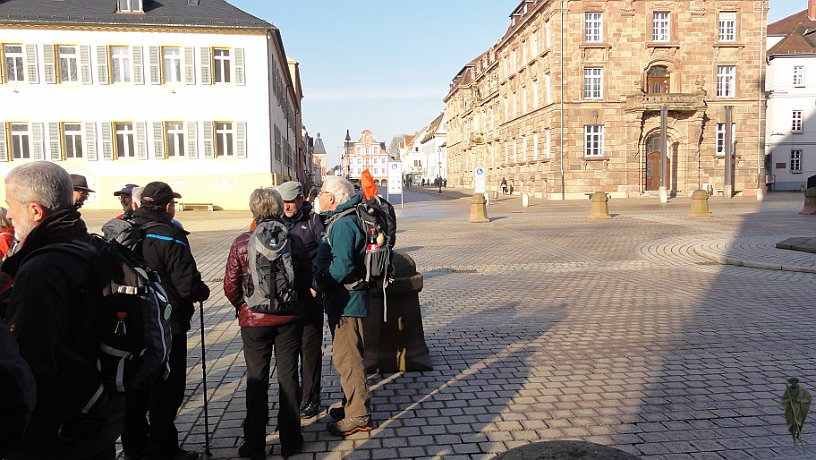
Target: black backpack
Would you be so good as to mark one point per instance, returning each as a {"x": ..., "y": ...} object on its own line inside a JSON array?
[
  {"x": 271, "y": 286},
  {"x": 123, "y": 231},
  {"x": 133, "y": 312}
]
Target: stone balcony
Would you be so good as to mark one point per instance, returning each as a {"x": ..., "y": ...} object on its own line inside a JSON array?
[{"x": 675, "y": 101}]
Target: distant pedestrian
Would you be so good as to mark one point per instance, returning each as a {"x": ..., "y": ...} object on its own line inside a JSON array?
[
  {"x": 503, "y": 185},
  {"x": 445, "y": 183},
  {"x": 81, "y": 189}
]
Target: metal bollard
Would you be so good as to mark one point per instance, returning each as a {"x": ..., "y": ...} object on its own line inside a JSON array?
[
  {"x": 809, "y": 208},
  {"x": 699, "y": 204},
  {"x": 478, "y": 209},
  {"x": 600, "y": 210}
]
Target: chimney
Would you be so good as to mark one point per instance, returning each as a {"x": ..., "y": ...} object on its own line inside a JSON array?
[{"x": 812, "y": 10}]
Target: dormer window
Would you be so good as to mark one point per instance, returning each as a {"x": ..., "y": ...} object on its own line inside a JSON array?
[{"x": 129, "y": 6}]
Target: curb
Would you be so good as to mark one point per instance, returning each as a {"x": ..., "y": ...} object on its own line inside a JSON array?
[{"x": 725, "y": 260}]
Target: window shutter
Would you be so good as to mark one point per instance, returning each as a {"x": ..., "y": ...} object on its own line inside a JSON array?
[
  {"x": 31, "y": 63},
  {"x": 107, "y": 142},
  {"x": 240, "y": 144},
  {"x": 141, "y": 140},
  {"x": 138, "y": 64},
  {"x": 192, "y": 140},
  {"x": 37, "y": 141},
  {"x": 189, "y": 65},
  {"x": 90, "y": 140},
  {"x": 2, "y": 67},
  {"x": 206, "y": 75},
  {"x": 239, "y": 66},
  {"x": 208, "y": 140},
  {"x": 3, "y": 148},
  {"x": 54, "y": 141},
  {"x": 155, "y": 67},
  {"x": 102, "y": 67},
  {"x": 48, "y": 63},
  {"x": 158, "y": 139},
  {"x": 85, "y": 64}
]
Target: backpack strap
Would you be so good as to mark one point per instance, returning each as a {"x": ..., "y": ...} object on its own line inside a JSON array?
[{"x": 335, "y": 218}]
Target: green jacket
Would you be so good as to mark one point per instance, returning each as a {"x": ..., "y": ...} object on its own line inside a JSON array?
[{"x": 340, "y": 262}]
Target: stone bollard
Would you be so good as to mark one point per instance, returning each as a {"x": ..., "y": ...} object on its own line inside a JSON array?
[
  {"x": 525, "y": 200},
  {"x": 699, "y": 204},
  {"x": 496, "y": 196},
  {"x": 398, "y": 344},
  {"x": 478, "y": 209},
  {"x": 810, "y": 202},
  {"x": 573, "y": 450},
  {"x": 599, "y": 210}
]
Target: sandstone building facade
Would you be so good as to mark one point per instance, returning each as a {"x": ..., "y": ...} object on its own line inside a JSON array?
[{"x": 568, "y": 101}]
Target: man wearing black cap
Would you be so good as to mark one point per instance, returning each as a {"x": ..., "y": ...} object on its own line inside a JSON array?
[
  {"x": 125, "y": 198},
  {"x": 165, "y": 249},
  {"x": 81, "y": 189}
]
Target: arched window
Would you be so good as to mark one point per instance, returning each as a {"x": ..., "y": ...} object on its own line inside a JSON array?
[{"x": 657, "y": 80}]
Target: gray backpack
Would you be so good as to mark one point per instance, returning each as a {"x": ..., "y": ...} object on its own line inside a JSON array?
[{"x": 270, "y": 289}]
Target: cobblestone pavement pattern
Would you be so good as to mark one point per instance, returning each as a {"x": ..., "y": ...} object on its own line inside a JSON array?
[{"x": 544, "y": 325}]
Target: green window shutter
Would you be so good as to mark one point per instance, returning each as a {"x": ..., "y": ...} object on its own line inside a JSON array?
[
  {"x": 48, "y": 63},
  {"x": 158, "y": 139},
  {"x": 102, "y": 67},
  {"x": 3, "y": 147},
  {"x": 138, "y": 64},
  {"x": 31, "y": 63},
  {"x": 192, "y": 140},
  {"x": 85, "y": 64},
  {"x": 155, "y": 67},
  {"x": 141, "y": 140},
  {"x": 189, "y": 65},
  {"x": 209, "y": 152},
  {"x": 54, "y": 141},
  {"x": 107, "y": 141},
  {"x": 241, "y": 144},
  {"x": 239, "y": 66},
  {"x": 90, "y": 140},
  {"x": 206, "y": 74}
]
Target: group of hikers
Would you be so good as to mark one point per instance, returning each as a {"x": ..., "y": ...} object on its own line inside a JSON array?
[{"x": 57, "y": 397}]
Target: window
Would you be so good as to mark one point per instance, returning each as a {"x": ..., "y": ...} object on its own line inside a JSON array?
[
  {"x": 796, "y": 121},
  {"x": 515, "y": 61},
  {"x": 14, "y": 63},
  {"x": 547, "y": 89},
  {"x": 593, "y": 27},
  {"x": 524, "y": 147},
  {"x": 72, "y": 140},
  {"x": 506, "y": 109},
  {"x": 515, "y": 104},
  {"x": 515, "y": 151},
  {"x": 20, "y": 141},
  {"x": 524, "y": 53},
  {"x": 661, "y": 26},
  {"x": 721, "y": 138},
  {"x": 174, "y": 138},
  {"x": 222, "y": 63},
  {"x": 125, "y": 140},
  {"x": 727, "y": 26},
  {"x": 547, "y": 144},
  {"x": 120, "y": 64},
  {"x": 224, "y": 139},
  {"x": 506, "y": 152},
  {"x": 171, "y": 65},
  {"x": 725, "y": 80},
  {"x": 534, "y": 42},
  {"x": 593, "y": 83},
  {"x": 593, "y": 140},
  {"x": 68, "y": 64},
  {"x": 524, "y": 99},
  {"x": 535, "y": 94},
  {"x": 796, "y": 161},
  {"x": 798, "y": 75},
  {"x": 130, "y": 6},
  {"x": 535, "y": 146},
  {"x": 547, "y": 34}
]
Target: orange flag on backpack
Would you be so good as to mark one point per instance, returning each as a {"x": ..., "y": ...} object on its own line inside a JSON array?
[{"x": 367, "y": 184}]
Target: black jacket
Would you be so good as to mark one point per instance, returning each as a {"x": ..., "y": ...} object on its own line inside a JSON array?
[
  {"x": 165, "y": 249},
  {"x": 17, "y": 393},
  {"x": 52, "y": 314},
  {"x": 305, "y": 232}
]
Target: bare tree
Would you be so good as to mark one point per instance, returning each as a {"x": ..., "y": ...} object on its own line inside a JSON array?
[{"x": 394, "y": 148}]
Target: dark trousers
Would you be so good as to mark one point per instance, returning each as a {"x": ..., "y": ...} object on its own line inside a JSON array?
[
  {"x": 162, "y": 399},
  {"x": 258, "y": 345},
  {"x": 311, "y": 356}
]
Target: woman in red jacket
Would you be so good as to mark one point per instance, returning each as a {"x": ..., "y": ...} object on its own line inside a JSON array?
[{"x": 261, "y": 333}]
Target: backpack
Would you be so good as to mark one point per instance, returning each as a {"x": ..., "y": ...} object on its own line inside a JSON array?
[
  {"x": 125, "y": 232},
  {"x": 133, "y": 313},
  {"x": 270, "y": 289}
]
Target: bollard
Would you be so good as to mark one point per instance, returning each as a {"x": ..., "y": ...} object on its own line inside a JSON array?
[
  {"x": 525, "y": 200},
  {"x": 478, "y": 209},
  {"x": 496, "y": 195},
  {"x": 398, "y": 344},
  {"x": 599, "y": 210},
  {"x": 699, "y": 204},
  {"x": 809, "y": 208}
]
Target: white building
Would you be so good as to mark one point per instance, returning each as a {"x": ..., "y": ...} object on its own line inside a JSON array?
[
  {"x": 413, "y": 162},
  {"x": 427, "y": 156},
  {"x": 194, "y": 93},
  {"x": 791, "y": 113}
]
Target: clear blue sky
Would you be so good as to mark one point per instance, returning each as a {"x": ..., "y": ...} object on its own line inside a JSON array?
[{"x": 386, "y": 65}]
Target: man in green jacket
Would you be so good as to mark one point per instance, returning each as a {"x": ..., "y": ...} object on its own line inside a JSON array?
[{"x": 341, "y": 269}]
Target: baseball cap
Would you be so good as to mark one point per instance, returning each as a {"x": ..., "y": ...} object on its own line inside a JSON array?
[
  {"x": 290, "y": 190},
  {"x": 126, "y": 190},
  {"x": 80, "y": 183},
  {"x": 158, "y": 194}
]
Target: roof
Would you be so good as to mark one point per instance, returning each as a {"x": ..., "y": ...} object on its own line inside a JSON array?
[
  {"x": 789, "y": 24},
  {"x": 173, "y": 13},
  {"x": 801, "y": 41},
  {"x": 319, "y": 148},
  {"x": 432, "y": 128}
]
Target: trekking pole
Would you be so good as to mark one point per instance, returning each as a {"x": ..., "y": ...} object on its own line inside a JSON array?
[{"x": 204, "y": 374}]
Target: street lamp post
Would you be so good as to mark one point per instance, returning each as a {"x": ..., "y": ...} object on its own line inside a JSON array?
[{"x": 439, "y": 168}]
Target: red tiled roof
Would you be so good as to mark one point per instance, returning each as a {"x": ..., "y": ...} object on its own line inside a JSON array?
[
  {"x": 802, "y": 41},
  {"x": 790, "y": 24}
]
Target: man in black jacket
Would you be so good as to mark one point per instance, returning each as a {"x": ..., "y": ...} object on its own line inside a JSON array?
[
  {"x": 305, "y": 232},
  {"x": 52, "y": 314},
  {"x": 166, "y": 250}
]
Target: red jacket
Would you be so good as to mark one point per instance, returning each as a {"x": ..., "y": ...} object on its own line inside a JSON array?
[{"x": 236, "y": 277}]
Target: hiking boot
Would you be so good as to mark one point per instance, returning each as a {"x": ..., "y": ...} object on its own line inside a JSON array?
[
  {"x": 247, "y": 451},
  {"x": 309, "y": 409},
  {"x": 337, "y": 413},
  {"x": 350, "y": 425}
]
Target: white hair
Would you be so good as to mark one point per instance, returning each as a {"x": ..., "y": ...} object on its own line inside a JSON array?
[
  {"x": 340, "y": 187},
  {"x": 44, "y": 183},
  {"x": 136, "y": 195}
]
